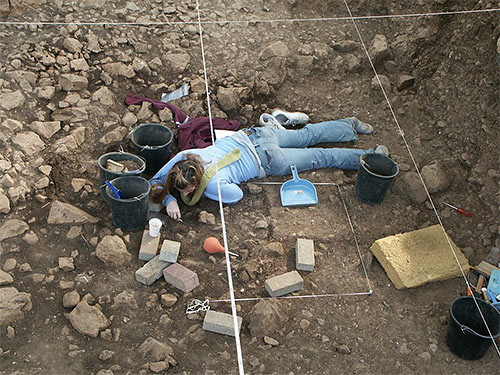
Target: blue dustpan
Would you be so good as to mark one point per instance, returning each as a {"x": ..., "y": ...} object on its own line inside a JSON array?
[{"x": 298, "y": 192}]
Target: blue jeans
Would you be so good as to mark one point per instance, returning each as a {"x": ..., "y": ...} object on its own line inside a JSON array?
[{"x": 279, "y": 149}]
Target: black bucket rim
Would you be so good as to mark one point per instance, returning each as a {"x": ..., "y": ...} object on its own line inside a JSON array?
[
  {"x": 149, "y": 147},
  {"x": 139, "y": 197},
  {"x": 465, "y": 328},
  {"x": 133, "y": 156},
  {"x": 362, "y": 163}
]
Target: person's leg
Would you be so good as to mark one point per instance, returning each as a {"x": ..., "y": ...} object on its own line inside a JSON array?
[
  {"x": 277, "y": 161},
  {"x": 324, "y": 132}
]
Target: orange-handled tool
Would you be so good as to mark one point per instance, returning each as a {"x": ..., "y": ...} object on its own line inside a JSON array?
[{"x": 460, "y": 210}]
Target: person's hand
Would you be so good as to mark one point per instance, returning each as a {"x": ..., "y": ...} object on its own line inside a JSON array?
[{"x": 173, "y": 210}]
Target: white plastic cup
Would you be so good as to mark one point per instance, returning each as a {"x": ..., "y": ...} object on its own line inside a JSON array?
[{"x": 154, "y": 227}]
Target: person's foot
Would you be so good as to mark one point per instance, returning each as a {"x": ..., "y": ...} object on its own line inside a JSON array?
[
  {"x": 381, "y": 149},
  {"x": 360, "y": 126},
  {"x": 290, "y": 118},
  {"x": 269, "y": 121}
]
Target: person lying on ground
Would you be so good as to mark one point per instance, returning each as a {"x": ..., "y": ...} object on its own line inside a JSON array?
[{"x": 255, "y": 153}]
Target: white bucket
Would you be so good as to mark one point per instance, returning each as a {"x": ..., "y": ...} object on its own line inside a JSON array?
[{"x": 154, "y": 227}]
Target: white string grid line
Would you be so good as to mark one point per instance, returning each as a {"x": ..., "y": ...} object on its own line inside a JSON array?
[
  {"x": 221, "y": 208},
  {"x": 420, "y": 176},
  {"x": 275, "y": 20},
  {"x": 370, "y": 291}
]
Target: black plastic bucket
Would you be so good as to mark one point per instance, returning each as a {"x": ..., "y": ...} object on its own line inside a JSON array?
[
  {"x": 152, "y": 142},
  {"x": 375, "y": 176},
  {"x": 131, "y": 212},
  {"x": 106, "y": 174},
  {"x": 467, "y": 335}
]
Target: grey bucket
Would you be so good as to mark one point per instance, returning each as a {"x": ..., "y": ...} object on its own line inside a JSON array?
[
  {"x": 375, "y": 176},
  {"x": 131, "y": 212},
  {"x": 106, "y": 174},
  {"x": 152, "y": 142}
]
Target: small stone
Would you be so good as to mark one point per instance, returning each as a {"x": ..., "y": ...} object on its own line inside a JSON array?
[
  {"x": 71, "y": 299},
  {"x": 9, "y": 264},
  {"x": 11, "y": 332},
  {"x": 66, "y": 264},
  {"x": 168, "y": 300},
  {"x": 426, "y": 356},
  {"x": 158, "y": 367},
  {"x": 343, "y": 349},
  {"x": 270, "y": 341},
  {"x": 106, "y": 355}
]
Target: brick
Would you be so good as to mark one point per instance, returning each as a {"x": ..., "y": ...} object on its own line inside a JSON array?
[
  {"x": 283, "y": 284},
  {"x": 181, "y": 277},
  {"x": 304, "y": 254},
  {"x": 418, "y": 257},
  {"x": 151, "y": 271},
  {"x": 149, "y": 246},
  {"x": 219, "y": 322},
  {"x": 170, "y": 251}
]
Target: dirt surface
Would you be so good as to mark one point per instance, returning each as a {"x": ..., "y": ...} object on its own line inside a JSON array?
[{"x": 447, "y": 111}]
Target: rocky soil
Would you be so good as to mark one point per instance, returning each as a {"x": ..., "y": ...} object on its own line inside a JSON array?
[{"x": 69, "y": 302}]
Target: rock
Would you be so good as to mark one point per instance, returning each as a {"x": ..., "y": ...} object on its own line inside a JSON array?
[
  {"x": 435, "y": 177},
  {"x": 230, "y": 98},
  {"x": 13, "y": 305},
  {"x": 270, "y": 341},
  {"x": 177, "y": 62},
  {"x": 168, "y": 300},
  {"x": 403, "y": 349},
  {"x": 71, "y": 299},
  {"x": 66, "y": 264},
  {"x": 4, "y": 203},
  {"x": 11, "y": 332},
  {"x": 405, "y": 81},
  {"x": 343, "y": 349},
  {"x": 254, "y": 188},
  {"x": 5, "y": 278},
  {"x": 409, "y": 185},
  {"x": 375, "y": 85},
  {"x": 72, "y": 45},
  {"x": 11, "y": 100},
  {"x": 45, "y": 92},
  {"x": 88, "y": 320},
  {"x": 379, "y": 51},
  {"x": 129, "y": 119},
  {"x": 266, "y": 317},
  {"x": 30, "y": 238},
  {"x": 206, "y": 218},
  {"x": 260, "y": 224},
  {"x": 277, "y": 49},
  {"x": 426, "y": 357},
  {"x": 125, "y": 299},
  {"x": 106, "y": 355},
  {"x": 73, "y": 82},
  {"x": 9, "y": 265},
  {"x": 346, "y": 46},
  {"x": 274, "y": 249},
  {"x": 105, "y": 96},
  {"x": 65, "y": 213},
  {"x": 12, "y": 228},
  {"x": 28, "y": 142},
  {"x": 45, "y": 129},
  {"x": 79, "y": 65},
  {"x": 155, "y": 64},
  {"x": 79, "y": 183},
  {"x": 158, "y": 367},
  {"x": 154, "y": 350},
  {"x": 119, "y": 69},
  {"x": 113, "y": 251}
]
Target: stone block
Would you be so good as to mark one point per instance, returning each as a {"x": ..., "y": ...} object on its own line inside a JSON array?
[
  {"x": 149, "y": 246},
  {"x": 151, "y": 271},
  {"x": 419, "y": 257},
  {"x": 181, "y": 277},
  {"x": 170, "y": 251},
  {"x": 219, "y": 322},
  {"x": 304, "y": 254},
  {"x": 283, "y": 284}
]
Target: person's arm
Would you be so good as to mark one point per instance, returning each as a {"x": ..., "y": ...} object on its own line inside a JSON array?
[{"x": 230, "y": 193}]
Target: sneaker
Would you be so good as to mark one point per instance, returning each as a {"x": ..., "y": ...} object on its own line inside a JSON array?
[
  {"x": 381, "y": 149},
  {"x": 290, "y": 118},
  {"x": 269, "y": 121},
  {"x": 360, "y": 126}
]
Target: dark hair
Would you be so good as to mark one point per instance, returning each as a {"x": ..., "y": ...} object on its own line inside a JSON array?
[{"x": 183, "y": 174}]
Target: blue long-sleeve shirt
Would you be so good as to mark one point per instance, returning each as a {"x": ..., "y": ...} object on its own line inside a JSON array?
[{"x": 245, "y": 168}]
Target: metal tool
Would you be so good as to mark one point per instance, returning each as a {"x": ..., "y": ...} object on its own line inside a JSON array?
[{"x": 460, "y": 210}]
